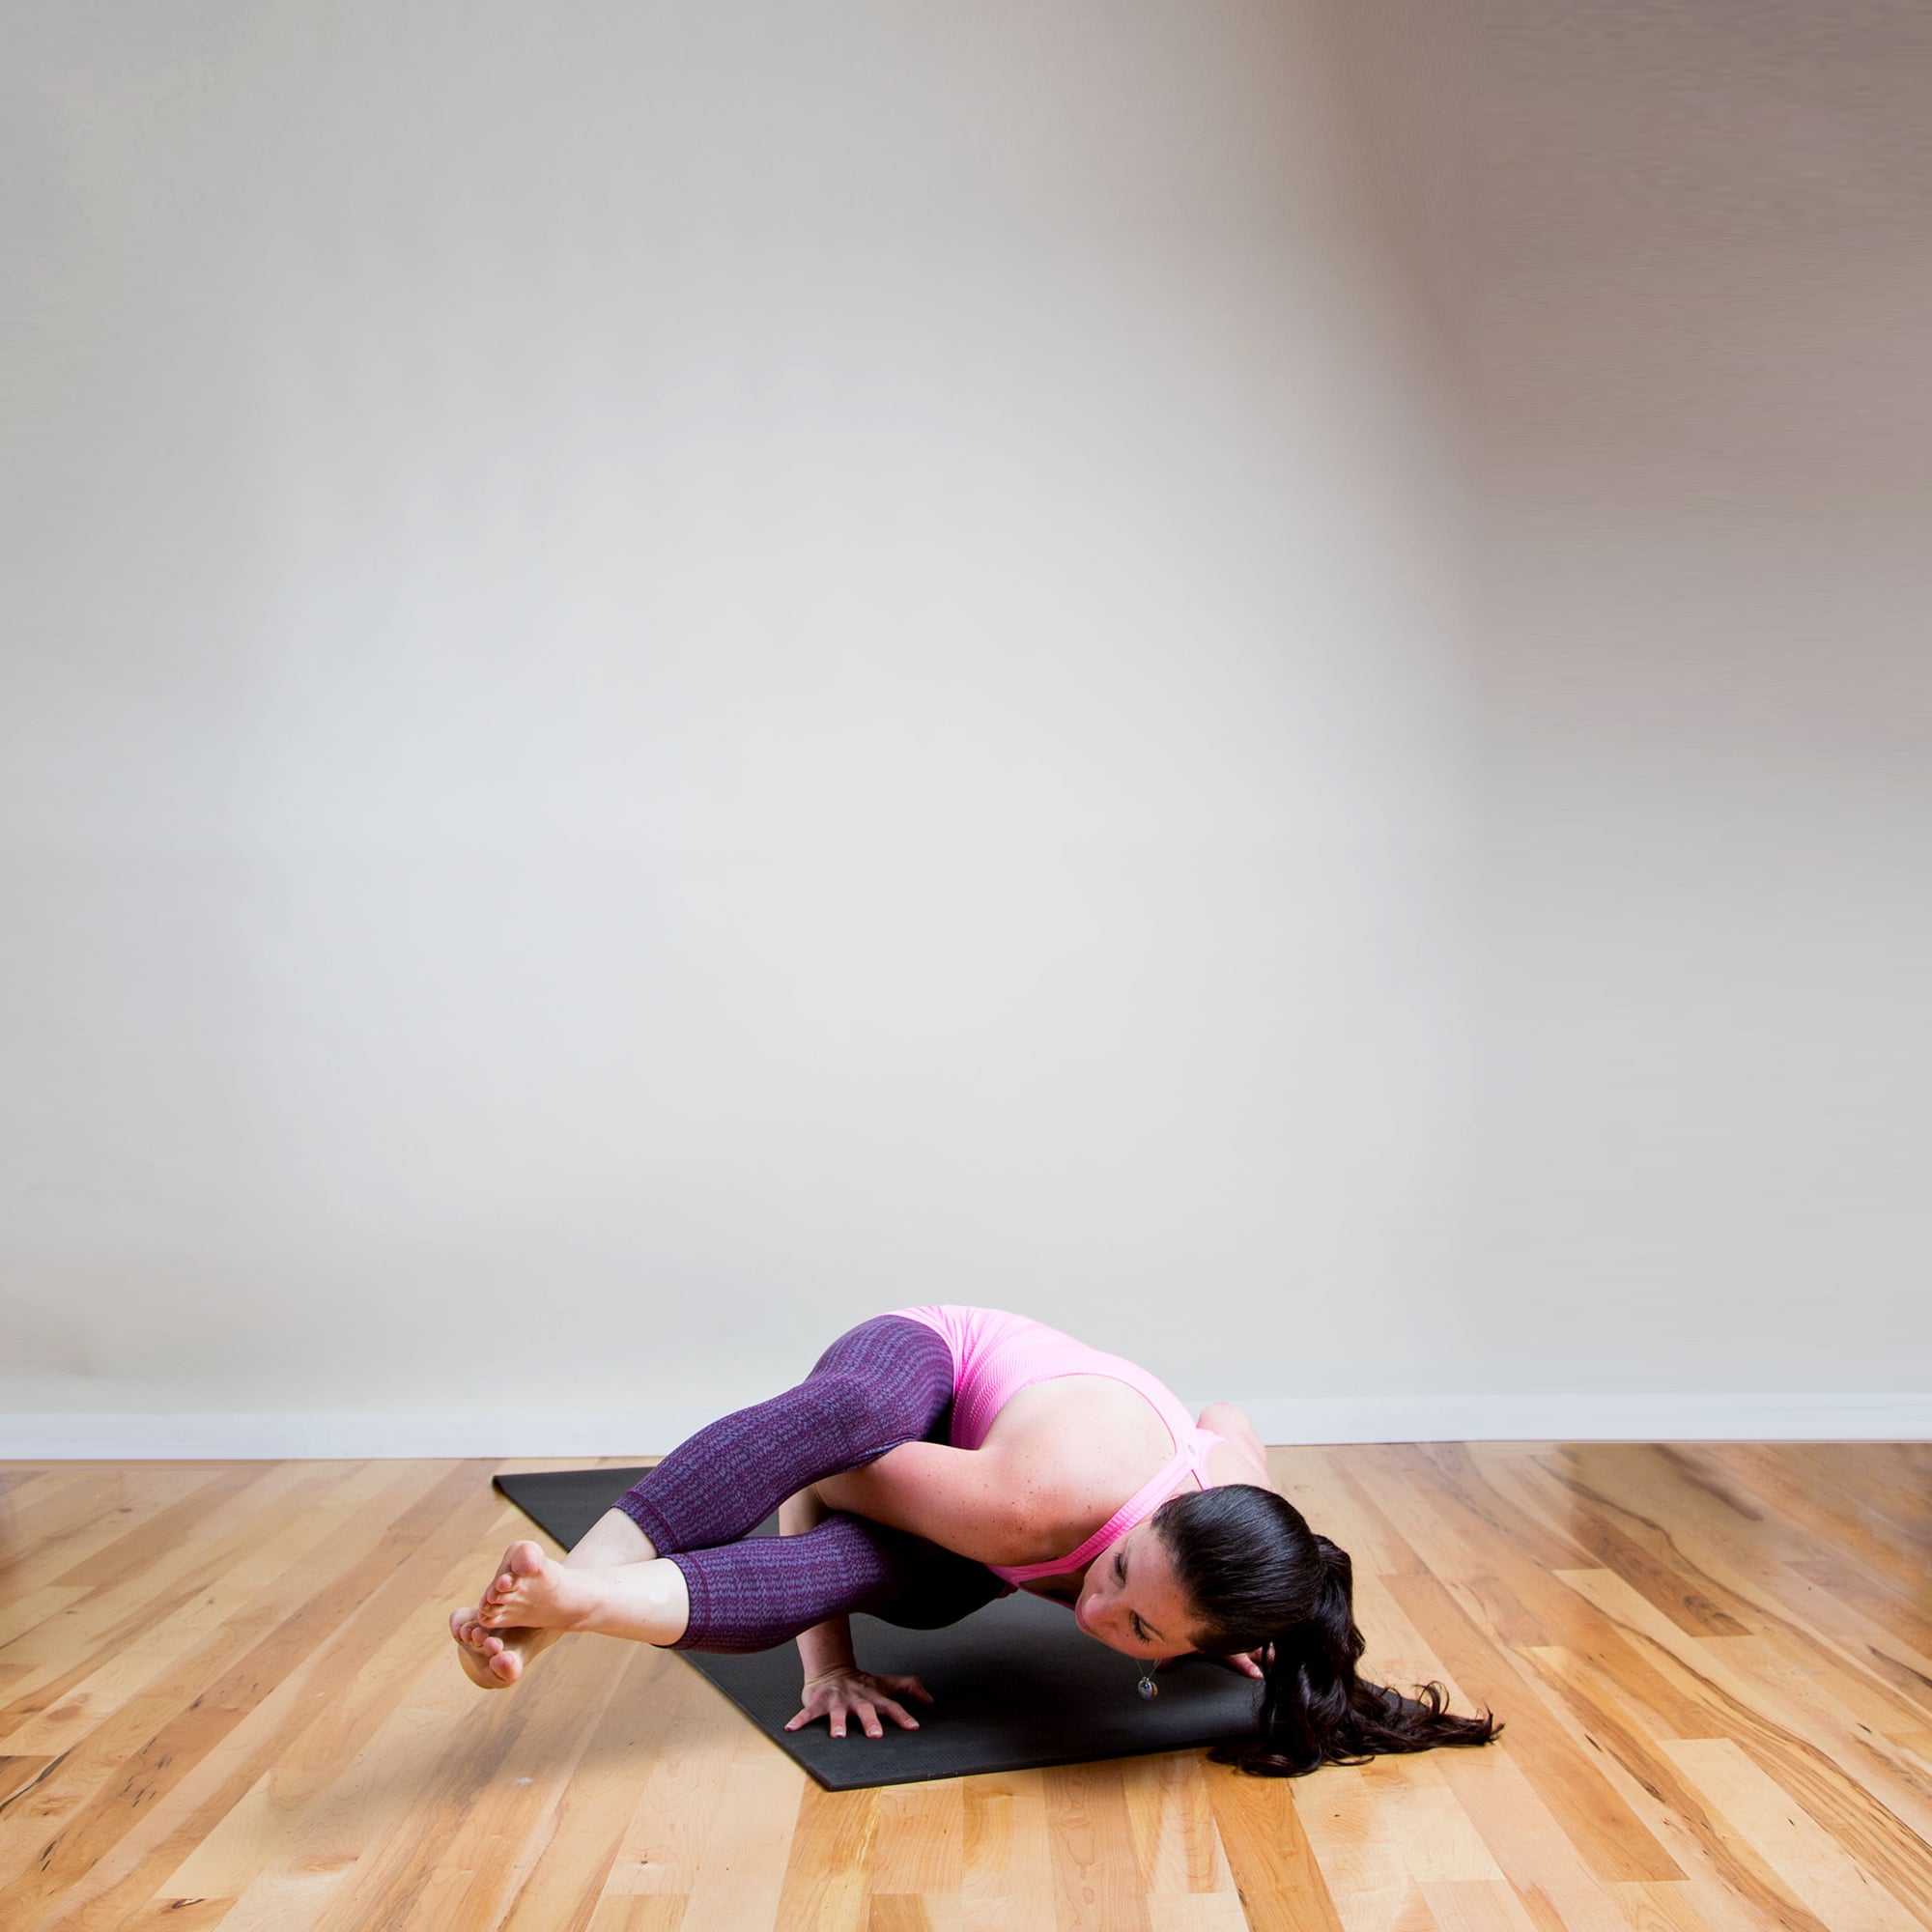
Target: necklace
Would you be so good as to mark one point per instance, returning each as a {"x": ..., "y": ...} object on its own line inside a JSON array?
[{"x": 1147, "y": 1686}]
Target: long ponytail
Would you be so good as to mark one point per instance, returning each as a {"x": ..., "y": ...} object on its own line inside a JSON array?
[{"x": 1247, "y": 1557}]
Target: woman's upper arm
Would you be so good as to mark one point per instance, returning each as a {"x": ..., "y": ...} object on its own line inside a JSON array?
[{"x": 953, "y": 1498}]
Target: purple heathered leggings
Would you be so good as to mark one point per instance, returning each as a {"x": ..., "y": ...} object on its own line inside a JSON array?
[{"x": 887, "y": 1382}]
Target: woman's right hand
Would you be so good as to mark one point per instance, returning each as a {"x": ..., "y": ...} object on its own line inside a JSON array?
[{"x": 845, "y": 1692}]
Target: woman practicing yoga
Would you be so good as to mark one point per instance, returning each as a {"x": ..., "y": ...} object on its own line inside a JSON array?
[{"x": 935, "y": 1459}]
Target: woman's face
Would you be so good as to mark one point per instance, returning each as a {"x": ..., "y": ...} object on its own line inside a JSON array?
[{"x": 1130, "y": 1601}]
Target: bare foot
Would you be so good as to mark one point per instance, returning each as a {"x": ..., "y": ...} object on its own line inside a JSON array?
[
  {"x": 494, "y": 1659},
  {"x": 533, "y": 1592}
]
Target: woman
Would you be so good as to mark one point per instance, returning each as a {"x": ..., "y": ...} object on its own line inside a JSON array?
[{"x": 937, "y": 1457}]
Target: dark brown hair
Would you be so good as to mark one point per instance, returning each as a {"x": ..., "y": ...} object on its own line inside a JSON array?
[{"x": 1260, "y": 1580}]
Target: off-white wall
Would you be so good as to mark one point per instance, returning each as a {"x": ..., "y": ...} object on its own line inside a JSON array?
[
  {"x": 676, "y": 674},
  {"x": 1705, "y": 800},
  {"x": 1676, "y": 258}
]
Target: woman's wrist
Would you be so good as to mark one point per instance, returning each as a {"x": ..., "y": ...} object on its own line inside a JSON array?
[
  {"x": 824, "y": 1663},
  {"x": 826, "y": 1647}
]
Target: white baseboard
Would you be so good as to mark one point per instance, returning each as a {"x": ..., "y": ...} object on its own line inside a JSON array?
[
  {"x": 1642, "y": 1416},
  {"x": 347, "y": 1434},
  {"x": 1639, "y": 1417}
]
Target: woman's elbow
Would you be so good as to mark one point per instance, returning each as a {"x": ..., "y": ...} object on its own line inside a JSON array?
[{"x": 1225, "y": 1419}]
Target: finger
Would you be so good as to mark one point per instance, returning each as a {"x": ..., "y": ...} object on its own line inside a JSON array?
[
  {"x": 796, "y": 1721},
  {"x": 898, "y": 1714},
  {"x": 869, "y": 1718},
  {"x": 911, "y": 1686},
  {"x": 839, "y": 1723}
]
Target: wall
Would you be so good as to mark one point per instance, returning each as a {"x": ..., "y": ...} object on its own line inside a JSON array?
[
  {"x": 1221, "y": 673},
  {"x": 676, "y": 677},
  {"x": 1675, "y": 260},
  {"x": 1707, "y": 752}
]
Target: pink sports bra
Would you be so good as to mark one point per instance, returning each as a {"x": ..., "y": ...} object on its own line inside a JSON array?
[{"x": 996, "y": 1355}]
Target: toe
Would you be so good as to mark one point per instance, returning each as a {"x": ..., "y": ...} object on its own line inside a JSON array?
[{"x": 524, "y": 1559}]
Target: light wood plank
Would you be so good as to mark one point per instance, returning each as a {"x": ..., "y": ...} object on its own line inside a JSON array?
[
  {"x": 1360, "y": 1857},
  {"x": 681, "y": 1789},
  {"x": 1799, "y": 1849},
  {"x": 827, "y": 1883},
  {"x": 1196, "y": 1912},
  {"x": 1173, "y": 1822},
  {"x": 1096, "y": 1877},
  {"x": 1529, "y": 1847},
  {"x": 151, "y": 1780},
  {"x": 1007, "y": 1865},
  {"x": 1436, "y": 1837},
  {"x": 1872, "y": 1795},
  {"x": 1613, "y": 1842},
  {"x": 920, "y": 1842},
  {"x": 1281, "y": 1886},
  {"x": 903, "y": 1912},
  {"x": 232, "y": 1701},
  {"x": 1477, "y": 1905},
  {"x": 742, "y": 1870},
  {"x": 638, "y": 1912}
]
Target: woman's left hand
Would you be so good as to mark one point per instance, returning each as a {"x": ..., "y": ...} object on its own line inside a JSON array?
[{"x": 1249, "y": 1662}]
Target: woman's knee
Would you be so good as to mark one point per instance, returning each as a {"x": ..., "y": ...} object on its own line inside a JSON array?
[{"x": 888, "y": 1381}]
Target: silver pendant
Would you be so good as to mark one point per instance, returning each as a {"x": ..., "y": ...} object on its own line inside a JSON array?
[{"x": 1148, "y": 1687}]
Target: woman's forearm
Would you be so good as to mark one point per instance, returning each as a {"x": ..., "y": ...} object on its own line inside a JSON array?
[
  {"x": 826, "y": 1646},
  {"x": 1232, "y": 1425}
]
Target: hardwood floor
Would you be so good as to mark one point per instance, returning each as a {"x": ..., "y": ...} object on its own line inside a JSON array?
[{"x": 227, "y": 1699}]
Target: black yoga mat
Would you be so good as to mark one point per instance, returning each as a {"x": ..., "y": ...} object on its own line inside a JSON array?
[{"x": 1014, "y": 1685}]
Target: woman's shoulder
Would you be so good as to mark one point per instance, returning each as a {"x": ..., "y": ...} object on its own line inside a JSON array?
[{"x": 1063, "y": 1449}]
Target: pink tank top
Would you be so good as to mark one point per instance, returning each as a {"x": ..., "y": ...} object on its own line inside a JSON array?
[{"x": 996, "y": 1355}]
